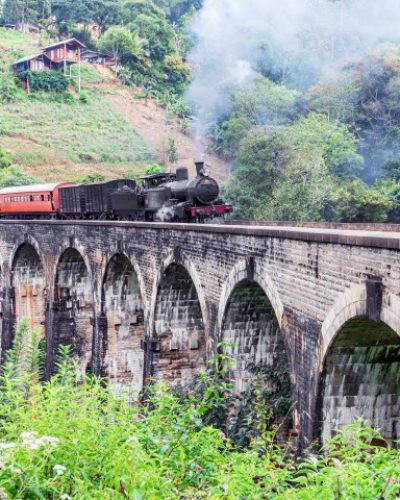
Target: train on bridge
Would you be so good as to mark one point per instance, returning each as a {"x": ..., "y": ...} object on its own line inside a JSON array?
[{"x": 162, "y": 197}]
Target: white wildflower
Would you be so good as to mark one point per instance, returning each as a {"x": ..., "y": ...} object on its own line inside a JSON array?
[
  {"x": 32, "y": 442},
  {"x": 29, "y": 436},
  {"x": 48, "y": 440},
  {"x": 64, "y": 496},
  {"x": 59, "y": 469},
  {"x": 7, "y": 446},
  {"x": 16, "y": 470},
  {"x": 3, "y": 495}
]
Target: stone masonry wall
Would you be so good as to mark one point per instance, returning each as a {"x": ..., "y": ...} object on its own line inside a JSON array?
[{"x": 315, "y": 280}]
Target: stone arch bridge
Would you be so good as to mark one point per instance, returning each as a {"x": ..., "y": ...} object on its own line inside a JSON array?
[{"x": 312, "y": 312}]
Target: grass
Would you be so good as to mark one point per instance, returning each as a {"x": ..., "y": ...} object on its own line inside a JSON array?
[
  {"x": 19, "y": 42},
  {"x": 43, "y": 135}
]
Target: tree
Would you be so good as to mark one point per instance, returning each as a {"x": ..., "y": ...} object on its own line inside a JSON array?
[
  {"x": 391, "y": 170},
  {"x": 21, "y": 11},
  {"x": 132, "y": 9},
  {"x": 305, "y": 192},
  {"x": 366, "y": 95},
  {"x": 355, "y": 201},
  {"x": 156, "y": 34},
  {"x": 262, "y": 160},
  {"x": 176, "y": 9},
  {"x": 291, "y": 173},
  {"x": 266, "y": 103},
  {"x": 66, "y": 12},
  {"x": 106, "y": 12},
  {"x": 172, "y": 151},
  {"x": 121, "y": 44},
  {"x": 336, "y": 143},
  {"x": 102, "y": 13},
  {"x": 232, "y": 132}
]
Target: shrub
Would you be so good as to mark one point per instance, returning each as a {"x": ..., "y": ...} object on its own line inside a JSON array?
[
  {"x": 70, "y": 438},
  {"x": 154, "y": 168},
  {"x": 49, "y": 81},
  {"x": 5, "y": 160}
]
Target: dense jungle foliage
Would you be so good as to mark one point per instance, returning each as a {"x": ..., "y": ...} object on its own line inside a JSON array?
[
  {"x": 329, "y": 153},
  {"x": 69, "y": 438}
]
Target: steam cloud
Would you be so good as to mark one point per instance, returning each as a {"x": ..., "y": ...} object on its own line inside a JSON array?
[{"x": 298, "y": 39}]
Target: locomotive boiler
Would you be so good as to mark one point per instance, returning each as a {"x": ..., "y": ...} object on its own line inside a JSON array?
[{"x": 173, "y": 197}]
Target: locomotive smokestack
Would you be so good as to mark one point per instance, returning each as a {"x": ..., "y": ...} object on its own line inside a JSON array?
[{"x": 199, "y": 167}]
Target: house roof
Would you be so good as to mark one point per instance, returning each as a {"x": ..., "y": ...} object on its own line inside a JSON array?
[
  {"x": 28, "y": 25},
  {"x": 65, "y": 42},
  {"x": 27, "y": 58},
  {"x": 94, "y": 53}
]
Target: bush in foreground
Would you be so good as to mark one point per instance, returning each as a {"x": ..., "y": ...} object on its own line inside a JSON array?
[{"x": 70, "y": 438}]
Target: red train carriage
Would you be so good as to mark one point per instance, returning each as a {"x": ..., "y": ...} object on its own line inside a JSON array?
[{"x": 40, "y": 200}]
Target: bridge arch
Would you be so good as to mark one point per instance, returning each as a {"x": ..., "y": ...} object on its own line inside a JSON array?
[
  {"x": 28, "y": 284},
  {"x": 123, "y": 308},
  {"x": 360, "y": 366},
  {"x": 73, "y": 307},
  {"x": 27, "y": 239},
  {"x": 179, "y": 318},
  {"x": 252, "y": 325},
  {"x": 240, "y": 272}
]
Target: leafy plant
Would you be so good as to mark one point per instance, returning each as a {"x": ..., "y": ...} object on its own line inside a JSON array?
[
  {"x": 70, "y": 438},
  {"x": 49, "y": 81}
]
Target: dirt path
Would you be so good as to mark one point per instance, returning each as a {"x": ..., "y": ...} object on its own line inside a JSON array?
[{"x": 151, "y": 122}]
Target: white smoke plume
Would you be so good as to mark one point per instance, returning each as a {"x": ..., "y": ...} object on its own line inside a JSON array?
[{"x": 298, "y": 39}]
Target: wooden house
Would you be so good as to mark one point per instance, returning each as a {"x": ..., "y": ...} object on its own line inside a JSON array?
[
  {"x": 59, "y": 56},
  {"x": 93, "y": 57}
]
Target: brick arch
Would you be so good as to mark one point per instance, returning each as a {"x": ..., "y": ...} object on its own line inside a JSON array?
[
  {"x": 29, "y": 286},
  {"x": 193, "y": 273},
  {"x": 178, "y": 334},
  {"x": 359, "y": 366},
  {"x": 248, "y": 321},
  {"x": 81, "y": 250},
  {"x": 123, "y": 304},
  {"x": 135, "y": 264},
  {"x": 240, "y": 272},
  {"x": 73, "y": 307},
  {"x": 352, "y": 304},
  {"x": 26, "y": 240}
]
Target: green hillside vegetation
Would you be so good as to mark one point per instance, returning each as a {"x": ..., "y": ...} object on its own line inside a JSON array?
[
  {"x": 52, "y": 136},
  {"x": 70, "y": 438},
  {"x": 321, "y": 154}
]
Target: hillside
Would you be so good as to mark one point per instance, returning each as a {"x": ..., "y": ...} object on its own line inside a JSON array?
[{"x": 111, "y": 131}]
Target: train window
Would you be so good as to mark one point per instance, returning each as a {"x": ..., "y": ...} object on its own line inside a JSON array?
[
  {"x": 31, "y": 198},
  {"x": 42, "y": 197}
]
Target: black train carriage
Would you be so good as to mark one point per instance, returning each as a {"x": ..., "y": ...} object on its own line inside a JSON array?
[{"x": 117, "y": 199}]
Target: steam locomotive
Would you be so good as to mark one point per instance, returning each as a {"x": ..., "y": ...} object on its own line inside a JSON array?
[{"x": 163, "y": 197}]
